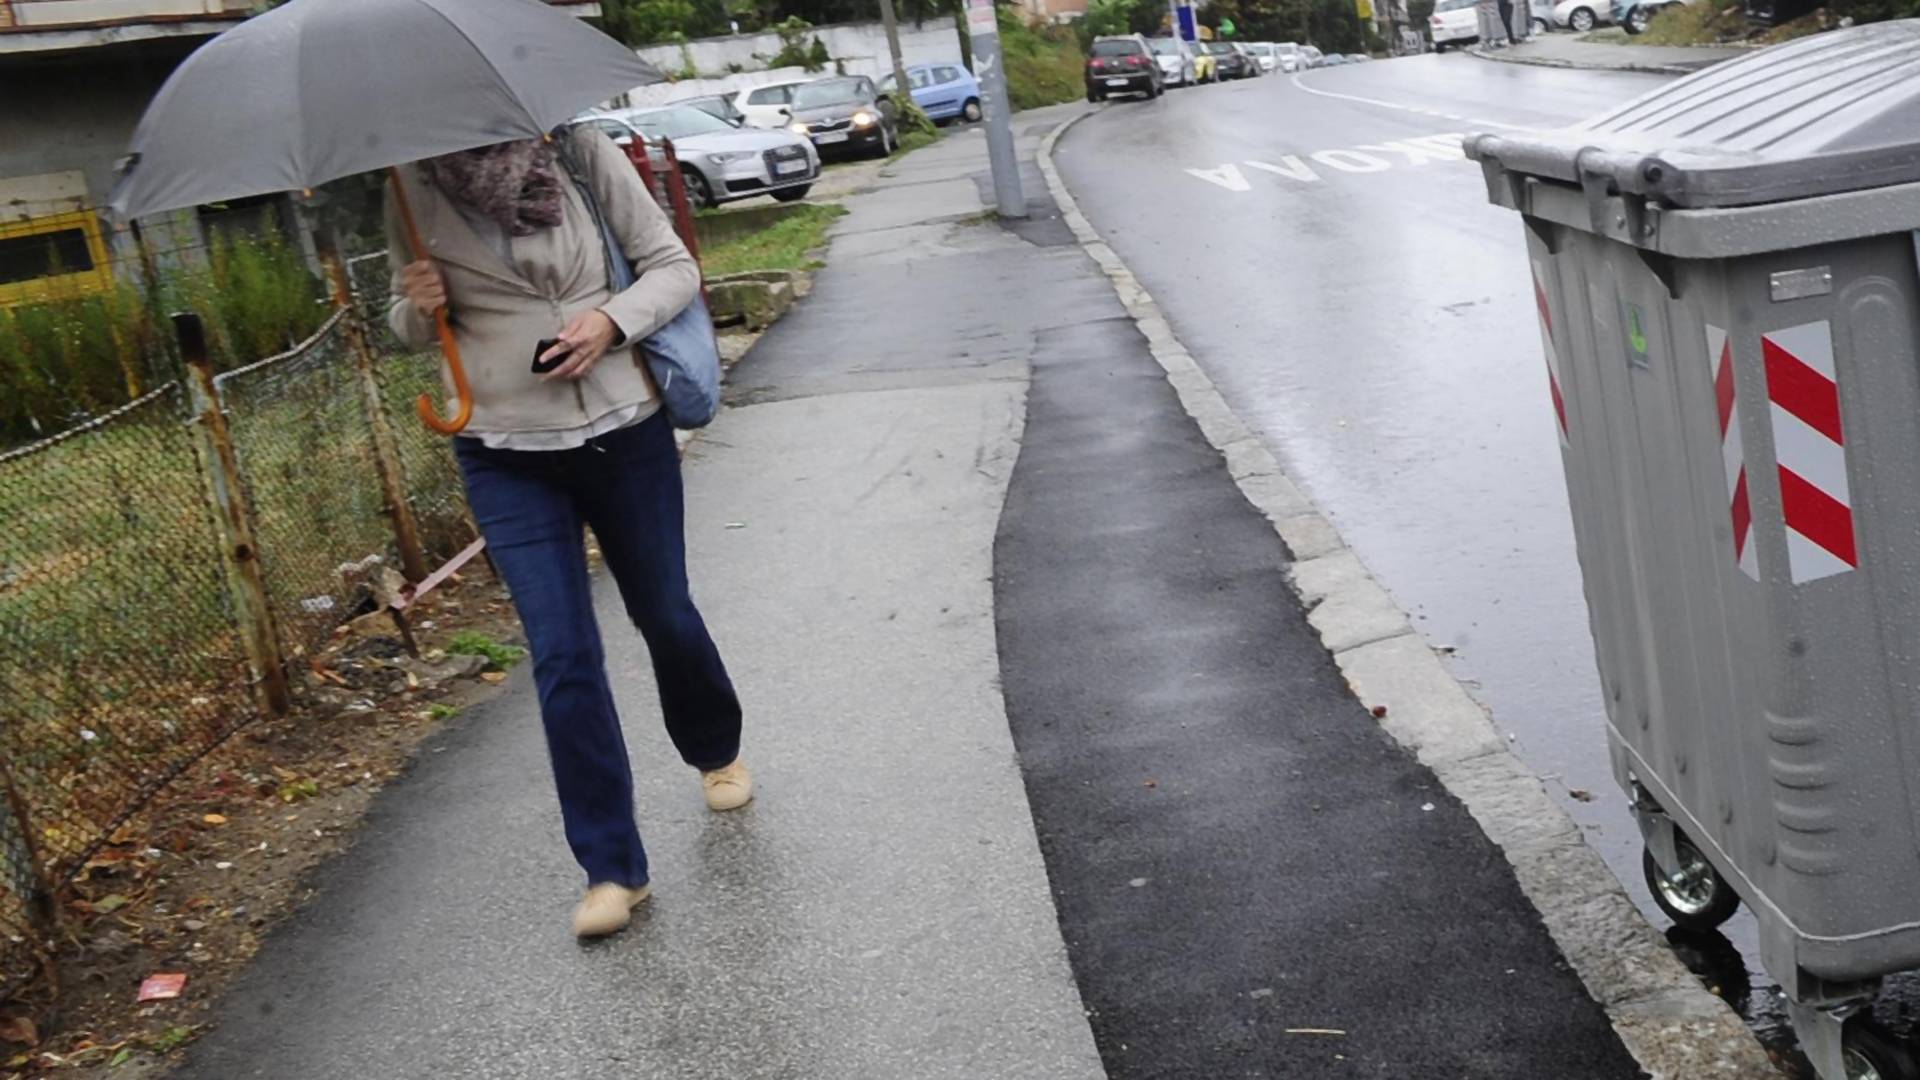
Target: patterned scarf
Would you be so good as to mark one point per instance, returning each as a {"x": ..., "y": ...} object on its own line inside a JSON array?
[{"x": 513, "y": 183}]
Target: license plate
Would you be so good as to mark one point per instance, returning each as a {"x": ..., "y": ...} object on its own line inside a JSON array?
[
  {"x": 1116, "y": 82},
  {"x": 830, "y": 137},
  {"x": 787, "y": 168}
]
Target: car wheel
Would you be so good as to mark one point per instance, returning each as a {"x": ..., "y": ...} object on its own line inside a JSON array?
[
  {"x": 1092, "y": 96},
  {"x": 1439, "y": 47},
  {"x": 1538, "y": 26},
  {"x": 699, "y": 192},
  {"x": 1638, "y": 18},
  {"x": 793, "y": 194},
  {"x": 1581, "y": 20},
  {"x": 970, "y": 112}
]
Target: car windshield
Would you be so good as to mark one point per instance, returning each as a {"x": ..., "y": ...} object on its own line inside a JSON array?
[
  {"x": 1288, "y": 50},
  {"x": 1261, "y": 50},
  {"x": 1165, "y": 47},
  {"x": 813, "y": 95},
  {"x": 678, "y": 123},
  {"x": 1219, "y": 48},
  {"x": 1116, "y": 48},
  {"x": 1453, "y": 5}
]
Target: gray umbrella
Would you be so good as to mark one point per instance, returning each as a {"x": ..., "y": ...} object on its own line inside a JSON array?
[{"x": 320, "y": 89}]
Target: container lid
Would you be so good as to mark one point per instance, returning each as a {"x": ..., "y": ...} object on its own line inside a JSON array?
[{"x": 1830, "y": 113}]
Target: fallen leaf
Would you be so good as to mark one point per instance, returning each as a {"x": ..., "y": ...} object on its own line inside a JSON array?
[
  {"x": 215, "y": 819},
  {"x": 164, "y": 986},
  {"x": 19, "y": 1029},
  {"x": 1583, "y": 796},
  {"x": 1379, "y": 710},
  {"x": 1152, "y": 783},
  {"x": 494, "y": 676},
  {"x": 125, "y": 1055},
  {"x": 1315, "y": 1031},
  {"x": 108, "y": 904}
]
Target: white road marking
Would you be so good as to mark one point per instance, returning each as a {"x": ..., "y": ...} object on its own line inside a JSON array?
[
  {"x": 1371, "y": 158},
  {"x": 1290, "y": 166},
  {"x": 1351, "y": 161},
  {"x": 1227, "y": 176},
  {"x": 1421, "y": 110}
]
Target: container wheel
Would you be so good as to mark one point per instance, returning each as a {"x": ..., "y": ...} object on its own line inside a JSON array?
[
  {"x": 1696, "y": 897},
  {"x": 1874, "y": 1053}
]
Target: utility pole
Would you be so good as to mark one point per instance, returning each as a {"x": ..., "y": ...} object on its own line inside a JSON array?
[
  {"x": 984, "y": 25},
  {"x": 893, "y": 46}
]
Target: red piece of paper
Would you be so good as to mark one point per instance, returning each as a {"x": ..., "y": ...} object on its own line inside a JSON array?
[{"x": 163, "y": 987}]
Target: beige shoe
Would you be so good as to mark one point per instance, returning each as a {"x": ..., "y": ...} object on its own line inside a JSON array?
[
  {"x": 728, "y": 788},
  {"x": 607, "y": 909}
]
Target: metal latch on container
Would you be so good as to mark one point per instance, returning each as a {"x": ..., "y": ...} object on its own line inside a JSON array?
[{"x": 1800, "y": 284}]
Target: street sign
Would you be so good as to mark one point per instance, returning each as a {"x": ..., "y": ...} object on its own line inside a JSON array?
[{"x": 1189, "y": 29}]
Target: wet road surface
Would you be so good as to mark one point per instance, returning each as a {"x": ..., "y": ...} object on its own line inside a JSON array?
[{"x": 1332, "y": 261}]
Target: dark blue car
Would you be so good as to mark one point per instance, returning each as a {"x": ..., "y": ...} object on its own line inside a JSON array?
[{"x": 943, "y": 91}]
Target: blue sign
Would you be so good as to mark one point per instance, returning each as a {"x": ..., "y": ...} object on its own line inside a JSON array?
[{"x": 1189, "y": 29}]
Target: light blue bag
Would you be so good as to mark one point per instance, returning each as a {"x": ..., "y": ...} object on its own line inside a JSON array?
[{"x": 682, "y": 355}]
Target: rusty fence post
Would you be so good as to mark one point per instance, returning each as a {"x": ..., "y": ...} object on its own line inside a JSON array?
[
  {"x": 386, "y": 447},
  {"x": 233, "y": 519},
  {"x": 16, "y": 835},
  {"x": 682, "y": 204}
]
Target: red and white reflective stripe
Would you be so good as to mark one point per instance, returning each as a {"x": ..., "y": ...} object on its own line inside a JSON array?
[
  {"x": 1732, "y": 453},
  {"x": 1810, "y": 446},
  {"x": 1553, "y": 357}
]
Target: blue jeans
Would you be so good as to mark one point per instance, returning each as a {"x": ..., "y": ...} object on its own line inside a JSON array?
[{"x": 531, "y": 507}]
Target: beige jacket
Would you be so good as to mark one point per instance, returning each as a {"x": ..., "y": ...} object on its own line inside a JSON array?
[{"x": 500, "y": 311}]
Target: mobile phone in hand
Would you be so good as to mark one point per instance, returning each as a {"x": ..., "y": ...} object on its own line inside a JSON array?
[{"x": 541, "y": 367}]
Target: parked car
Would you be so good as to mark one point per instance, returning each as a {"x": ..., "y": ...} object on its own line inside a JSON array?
[
  {"x": 1122, "y": 65},
  {"x": 1582, "y": 15},
  {"x": 1290, "y": 56},
  {"x": 1358, "y": 58},
  {"x": 845, "y": 115},
  {"x": 1233, "y": 64},
  {"x": 1176, "y": 60},
  {"x": 720, "y": 105},
  {"x": 1312, "y": 57},
  {"x": 1333, "y": 60},
  {"x": 1634, "y": 15},
  {"x": 1263, "y": 51},
  {"x": 720, "y": 162},
  {"x": 1206, "y": 69},
  {"x": 765, "y": 106},
  {"x": 1454, "y": 22},
  {"x": 944, "y": 92}
]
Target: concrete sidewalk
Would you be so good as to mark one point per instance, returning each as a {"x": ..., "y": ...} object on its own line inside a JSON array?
[
  {"x": 882, "y": 910},
  {"x": 1565, "y": 50}
]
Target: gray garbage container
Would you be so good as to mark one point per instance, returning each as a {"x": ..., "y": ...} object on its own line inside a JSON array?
[{"x": 1729, "y": 305}]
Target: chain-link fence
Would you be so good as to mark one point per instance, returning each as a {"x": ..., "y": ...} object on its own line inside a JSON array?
[{"x": 122, "y": 649}]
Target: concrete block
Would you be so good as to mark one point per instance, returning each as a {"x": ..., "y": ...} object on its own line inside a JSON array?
[{"x": 1508, "y": 800}]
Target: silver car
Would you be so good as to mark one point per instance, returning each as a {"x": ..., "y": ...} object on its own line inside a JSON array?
[{"x": 721, "y": 162}]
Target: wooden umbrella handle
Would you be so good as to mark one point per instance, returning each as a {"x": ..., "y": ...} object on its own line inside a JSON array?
[{"x": 463, "y": 394}]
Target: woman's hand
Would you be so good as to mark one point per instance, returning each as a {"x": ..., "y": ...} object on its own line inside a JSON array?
[
  {"x": 585, "y": 340},
  {"x": 423, "y": 285}
]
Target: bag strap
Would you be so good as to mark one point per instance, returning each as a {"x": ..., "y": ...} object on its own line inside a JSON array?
[
  {"x": 620, "y": 274},
  {"x": 619, "y": 271}
]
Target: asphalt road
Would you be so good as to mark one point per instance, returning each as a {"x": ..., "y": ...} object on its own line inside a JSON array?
[{"x": 1333, "y": 263}]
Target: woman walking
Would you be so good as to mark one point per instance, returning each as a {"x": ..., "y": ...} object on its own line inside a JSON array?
[{"x": 517, "y": 258}]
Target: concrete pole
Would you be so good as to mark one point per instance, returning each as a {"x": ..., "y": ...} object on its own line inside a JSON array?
[
  {"x": 983, "y": 25},
  {"x": 892, "y": 22}
]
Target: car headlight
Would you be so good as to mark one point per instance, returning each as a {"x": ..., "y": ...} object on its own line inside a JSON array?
[
  {"x": 863, "y": 119},
  {"x": 729, "y": 156},
  {"x": 799, "y": 129}
]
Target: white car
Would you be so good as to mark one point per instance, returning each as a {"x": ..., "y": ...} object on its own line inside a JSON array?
[
  {"x": 1175, "y": 57},
  {"x": 1263, "y": 51},
  {"x": 766, "y": 106},
  {"x": 1454, "y": 22},
  {"x": 1289, "y": 57},
  {"x": 720, "y": 162},
  {"x": 1582, "y": 15}
]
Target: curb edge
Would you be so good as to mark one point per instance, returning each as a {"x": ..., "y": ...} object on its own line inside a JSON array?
[
  {"x": 1669, "y": 1022},
  {"x": 1567, "y": 65}
]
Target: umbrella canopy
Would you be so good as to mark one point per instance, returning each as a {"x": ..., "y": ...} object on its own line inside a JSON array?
[{"x": 320, "y": 89}]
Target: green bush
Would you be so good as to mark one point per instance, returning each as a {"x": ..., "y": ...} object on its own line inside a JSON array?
[
  {"x": 65, "y": 359},
  {"x": 1044, "y": 64}
]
